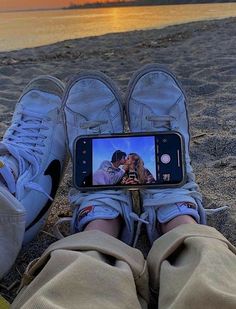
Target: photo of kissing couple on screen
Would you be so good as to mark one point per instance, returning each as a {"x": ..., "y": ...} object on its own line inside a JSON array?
[{"x": 123, "y": 169}]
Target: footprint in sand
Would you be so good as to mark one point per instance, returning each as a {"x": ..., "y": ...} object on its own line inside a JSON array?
[{"x": 205, "y": 89}]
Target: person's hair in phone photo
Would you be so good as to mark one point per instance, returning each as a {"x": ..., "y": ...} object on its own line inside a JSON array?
[{"x": 117, "y": 156}]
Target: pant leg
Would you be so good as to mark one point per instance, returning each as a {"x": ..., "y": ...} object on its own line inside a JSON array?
[
  {"x": 86, "y": 270},
  {"x": 193, "y": 266}
]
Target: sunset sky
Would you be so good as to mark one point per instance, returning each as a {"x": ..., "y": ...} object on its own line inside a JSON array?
[{"x": 35, "y": 4}]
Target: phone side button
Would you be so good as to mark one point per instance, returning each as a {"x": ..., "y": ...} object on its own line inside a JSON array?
[{"x": 178, "y": 157}]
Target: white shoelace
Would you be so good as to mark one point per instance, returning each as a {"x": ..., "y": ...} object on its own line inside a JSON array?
[
  {"x": 92, "y": 124},
  {"x": 161, "y": 122},
  {"x": 76, "y": 198},
  {"x": 169, "y": 196},
  {"x": 25, "y": 143},
  {"x": 166, "y": 197}
]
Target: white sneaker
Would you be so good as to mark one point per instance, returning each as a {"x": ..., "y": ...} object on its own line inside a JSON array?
[
  {"x": 32, "y": 158},
  {"x": 155, "y": 101},
  {"x": 93, "y": 105}
]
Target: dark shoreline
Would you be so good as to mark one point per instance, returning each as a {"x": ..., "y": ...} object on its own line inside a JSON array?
[
  {"x": 121, "y": 4},
  {"x": 141, "y": 3}
]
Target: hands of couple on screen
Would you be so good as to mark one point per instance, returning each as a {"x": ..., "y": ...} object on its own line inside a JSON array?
[{"x": 130, "y": 181}]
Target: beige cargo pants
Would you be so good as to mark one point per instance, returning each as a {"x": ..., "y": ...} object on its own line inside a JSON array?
[{"x": 192, "y": 266}]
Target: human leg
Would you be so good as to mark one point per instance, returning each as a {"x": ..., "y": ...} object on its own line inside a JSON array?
[
  {"x": 94, "y": 269},
  {"x": 32, "y": 158},
  {"x": 86, "y": 270},
  {"x": 191, "y": 265},
  {"x": 111, "y": 227},
  {"x": 179, "y": 220},
  {"x": 93, "y": 105},
  {"x": 91, "y": 268},
  {"x": 155, "y": 101}
]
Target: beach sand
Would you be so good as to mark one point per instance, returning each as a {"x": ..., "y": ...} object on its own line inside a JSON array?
[{"x": 201, "y": 54}]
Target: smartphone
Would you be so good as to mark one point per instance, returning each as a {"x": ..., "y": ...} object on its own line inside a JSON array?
[{"x": 139, "y": 160}]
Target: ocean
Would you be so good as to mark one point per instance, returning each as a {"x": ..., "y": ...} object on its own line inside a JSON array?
[{"x": 36, "y": 28}]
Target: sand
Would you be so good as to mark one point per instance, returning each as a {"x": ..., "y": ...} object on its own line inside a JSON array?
[{"x": 201, "y": 54}]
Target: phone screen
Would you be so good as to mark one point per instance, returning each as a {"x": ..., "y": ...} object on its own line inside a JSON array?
[{"x": 128, "y": 160}]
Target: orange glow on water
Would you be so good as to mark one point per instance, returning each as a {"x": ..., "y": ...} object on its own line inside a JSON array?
[{"x": 36, "y": 28}]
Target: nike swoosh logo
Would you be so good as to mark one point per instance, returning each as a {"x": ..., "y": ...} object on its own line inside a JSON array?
[{"x": 54, "y": 171}]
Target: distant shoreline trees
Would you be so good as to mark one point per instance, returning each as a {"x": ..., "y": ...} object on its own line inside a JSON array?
[{"x": 139, "y": 3}]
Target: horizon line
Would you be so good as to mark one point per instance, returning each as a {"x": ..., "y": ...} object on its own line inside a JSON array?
[
  {"x": 111, "y": 4},
  {"x": 107, "y": 4}
]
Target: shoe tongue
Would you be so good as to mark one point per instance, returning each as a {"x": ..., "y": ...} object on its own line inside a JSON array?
[
  {"x": 11, "y": 163},
  {"x": 9, "y": 172}
]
